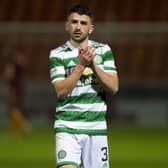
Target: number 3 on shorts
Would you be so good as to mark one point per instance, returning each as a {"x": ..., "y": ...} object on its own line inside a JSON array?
[{"x": 105, "y": 154}]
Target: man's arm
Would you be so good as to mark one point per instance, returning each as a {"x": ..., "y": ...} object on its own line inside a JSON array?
[
  {"x": 64, "y": 87},
  {"x": 108, "y": 80}
]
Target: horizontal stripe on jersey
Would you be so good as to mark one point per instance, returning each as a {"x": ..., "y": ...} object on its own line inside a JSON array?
[
  {"x": 87, "y": 127},
  {"x": 81, "y": 131},
  {"x": 109, "y": 68},
  {"x": 80, "y": 124},
  {"x": 85, "y": 98},
  {"x": 88, "y": 116},
  {"x": 78, "y": 91},
  {"x": 82, "y": 107},
  {"x": 57, "y": 70},
  {"x": 57, "y": 77}
]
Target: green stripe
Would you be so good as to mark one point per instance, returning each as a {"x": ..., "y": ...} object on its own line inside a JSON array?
[
  {"x": 81, "y": 131},
  {"x": 67, "y": 163},
  {"x": 85, "y": 98},
  {"x": 108, "y": 56},
  {"x": 89, "y": 116},
  {"x": 68, "y": 60},
  {"x": 109, "y": 68},
  {"x": 54, "y": 61}
]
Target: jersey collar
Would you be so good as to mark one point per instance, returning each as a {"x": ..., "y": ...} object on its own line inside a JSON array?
[{"x": 72, "y": 47}]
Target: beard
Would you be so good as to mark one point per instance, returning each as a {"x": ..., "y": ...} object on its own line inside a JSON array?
[{"x": 79, "y": 38}]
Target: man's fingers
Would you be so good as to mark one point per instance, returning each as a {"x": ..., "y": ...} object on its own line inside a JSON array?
[
  {"x": 89, "y": 51},
  {"x": 81, "y": 50}
]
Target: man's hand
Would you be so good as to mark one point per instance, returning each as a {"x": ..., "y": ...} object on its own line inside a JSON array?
[{"x": 86, "y": 56}]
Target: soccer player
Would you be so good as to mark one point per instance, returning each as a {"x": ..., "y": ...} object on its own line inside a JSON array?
[{"x": 81, "y": 71}]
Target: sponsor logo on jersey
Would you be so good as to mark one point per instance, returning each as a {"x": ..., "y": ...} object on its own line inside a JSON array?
[{"x": 87, "y": 71}]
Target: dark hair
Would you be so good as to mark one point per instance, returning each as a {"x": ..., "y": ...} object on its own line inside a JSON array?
[{"x": 82, "y": 10}]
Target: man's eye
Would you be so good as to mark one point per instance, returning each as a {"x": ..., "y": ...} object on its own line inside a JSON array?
[
  {"x": 74, "y": 21},
  {"x": 83, "y": 23}
]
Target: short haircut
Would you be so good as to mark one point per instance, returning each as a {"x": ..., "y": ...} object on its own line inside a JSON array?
[{"x": 81, "y": 10}]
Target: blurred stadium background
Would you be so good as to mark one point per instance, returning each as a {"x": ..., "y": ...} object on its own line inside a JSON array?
[{"x": 137, "y": 32}]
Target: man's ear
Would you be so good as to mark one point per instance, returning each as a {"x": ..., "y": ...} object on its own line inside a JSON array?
[
  {"x": 91, "y": 29},
  {"x": 66, "y": 26}
]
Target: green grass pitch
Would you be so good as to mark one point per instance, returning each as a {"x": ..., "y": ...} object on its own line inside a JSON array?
[{"x": 129, "y": 148}]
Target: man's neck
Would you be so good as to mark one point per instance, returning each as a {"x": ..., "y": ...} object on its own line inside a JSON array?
[{"x": 83, "y": 44}]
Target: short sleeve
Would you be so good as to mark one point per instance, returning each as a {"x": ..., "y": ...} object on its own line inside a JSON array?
[
  {"x": 56, "y": 67},
  {"x": 108, "y": 60}
]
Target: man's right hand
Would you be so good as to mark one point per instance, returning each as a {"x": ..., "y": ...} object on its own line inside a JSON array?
[{"x": 86, "y": 56}]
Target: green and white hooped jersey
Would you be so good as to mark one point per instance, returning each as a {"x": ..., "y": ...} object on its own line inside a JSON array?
[{"x": 83, "y": 110}]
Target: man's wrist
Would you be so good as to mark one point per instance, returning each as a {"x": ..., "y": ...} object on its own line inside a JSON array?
[
  {"x": 92, "y": 65},
  {"x": 80, "y": 67}
]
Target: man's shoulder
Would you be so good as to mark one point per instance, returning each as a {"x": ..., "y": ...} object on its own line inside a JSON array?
[
  {"x": 59, "y": 50},
  {"x": 100, "y": 47},
  {"x": 96, "y": 44}
]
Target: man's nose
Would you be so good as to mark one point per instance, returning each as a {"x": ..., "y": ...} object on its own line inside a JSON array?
[{"x": 78, "y": 26}]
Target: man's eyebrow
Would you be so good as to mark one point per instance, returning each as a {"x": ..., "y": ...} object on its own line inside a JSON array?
[{"x": 74, "y": 20}]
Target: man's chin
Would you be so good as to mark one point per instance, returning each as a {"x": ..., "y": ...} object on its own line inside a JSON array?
[{"x": 79, "y": 39}]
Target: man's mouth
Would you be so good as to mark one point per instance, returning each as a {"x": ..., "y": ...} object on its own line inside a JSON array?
[{"x": 77, "y": 33}]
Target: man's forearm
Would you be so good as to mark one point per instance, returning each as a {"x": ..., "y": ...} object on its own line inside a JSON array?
[
  {"x": 108, "y": 80},
  {"x": 64, "y": 87}
]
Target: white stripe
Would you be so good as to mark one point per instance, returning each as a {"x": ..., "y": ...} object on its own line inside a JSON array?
[
  {"x": 54, "y": 53},
  {"x": 57, "y": 70},
  {"x": 72, "y": 47},
  {"x": 102, "y": 50},
  {"x": 74, "y": 53},
  {"x": 56, "y": 79},
  {"x": 63, "y": 55},
  {"x": 109, "y": 63},
  {"x": 71, "y": 54},
  {"x": 105, "y": 49},
  {"x": 85, "y": 89},
  {"x": 111, "y": 71},
  {"x": 101, "y": 67},
  {"x": 83, "y": 107},
  {"x": 80, "y": 125}
]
